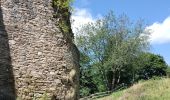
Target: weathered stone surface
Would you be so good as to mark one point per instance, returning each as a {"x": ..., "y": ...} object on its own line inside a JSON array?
[{"x": 42, "y": 59}]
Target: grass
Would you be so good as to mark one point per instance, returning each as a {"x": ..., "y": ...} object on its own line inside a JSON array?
[
  {"x": 115, "y": 95},
  {"x": 145, "y": 90}
]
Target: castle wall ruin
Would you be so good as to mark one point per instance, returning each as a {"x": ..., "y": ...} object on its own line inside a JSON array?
[{"x": 36, "y": 59}]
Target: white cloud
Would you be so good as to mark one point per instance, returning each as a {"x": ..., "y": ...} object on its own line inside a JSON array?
[
  {"x": 160, "y": 32},
  {"x": 79, "y": 18}
]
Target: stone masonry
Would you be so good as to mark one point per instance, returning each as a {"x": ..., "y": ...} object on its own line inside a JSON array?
[{"x": 36, "y": 59}]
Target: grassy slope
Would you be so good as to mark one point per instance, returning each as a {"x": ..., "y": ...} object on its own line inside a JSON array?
[{"x": 148, "y": 90}]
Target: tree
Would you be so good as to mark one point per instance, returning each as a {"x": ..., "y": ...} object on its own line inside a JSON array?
[
  {"x": 112, "y": 44},
  {"x": 168, "y": 71},
  {"x": 151, "y": 65},
  {"x": 87, "y": 86},
  {"x": 93, "y": 46},
  {"x": 126, "y": 44}
]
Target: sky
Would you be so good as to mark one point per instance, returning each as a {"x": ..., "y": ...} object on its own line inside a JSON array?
[{"x": 156, "y": 14}]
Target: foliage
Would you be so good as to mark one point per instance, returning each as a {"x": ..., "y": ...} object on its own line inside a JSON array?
[
  {"x": 62, "y": 4},
  {"x": 44, "y": 97},
  {"x": 114, "y": 52},
  {"x": 86, "y": 78},
  {"x": 168, "y": 69},
  {"x": 168, "y": 72},
  {"x": 112, "y": 44},
  {"x": 151, "y": 65},
  {"x": 63, "y": 9}
]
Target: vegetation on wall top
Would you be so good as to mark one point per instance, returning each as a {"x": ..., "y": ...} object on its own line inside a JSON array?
[{"x": 62, "y": 11}]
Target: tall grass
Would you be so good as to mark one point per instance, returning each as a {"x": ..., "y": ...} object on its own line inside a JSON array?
[{"x": 154, "y": 89}]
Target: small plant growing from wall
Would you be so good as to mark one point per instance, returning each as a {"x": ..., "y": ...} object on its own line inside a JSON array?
[
  {"x": 62, "y": 12},
  {"x": 44, "y": 97}
]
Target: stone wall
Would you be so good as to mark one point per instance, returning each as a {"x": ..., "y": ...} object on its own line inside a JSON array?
[{"x": 39, "y": 56}]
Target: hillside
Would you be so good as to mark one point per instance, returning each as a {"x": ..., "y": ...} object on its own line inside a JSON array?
[{"x": 147, "y": 90}]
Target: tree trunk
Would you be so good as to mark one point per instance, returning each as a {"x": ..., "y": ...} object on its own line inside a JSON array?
[
  {"x": 104, "y": 79},
  {"x": 113, "y": 81},
  {"x": 118, "y": 80}
]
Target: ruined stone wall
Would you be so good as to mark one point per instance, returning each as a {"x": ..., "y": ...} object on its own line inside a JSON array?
[{"x": 42, "y": 60}]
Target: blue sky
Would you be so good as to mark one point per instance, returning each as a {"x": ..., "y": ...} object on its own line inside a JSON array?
[{"x": 156, "y": 13}]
